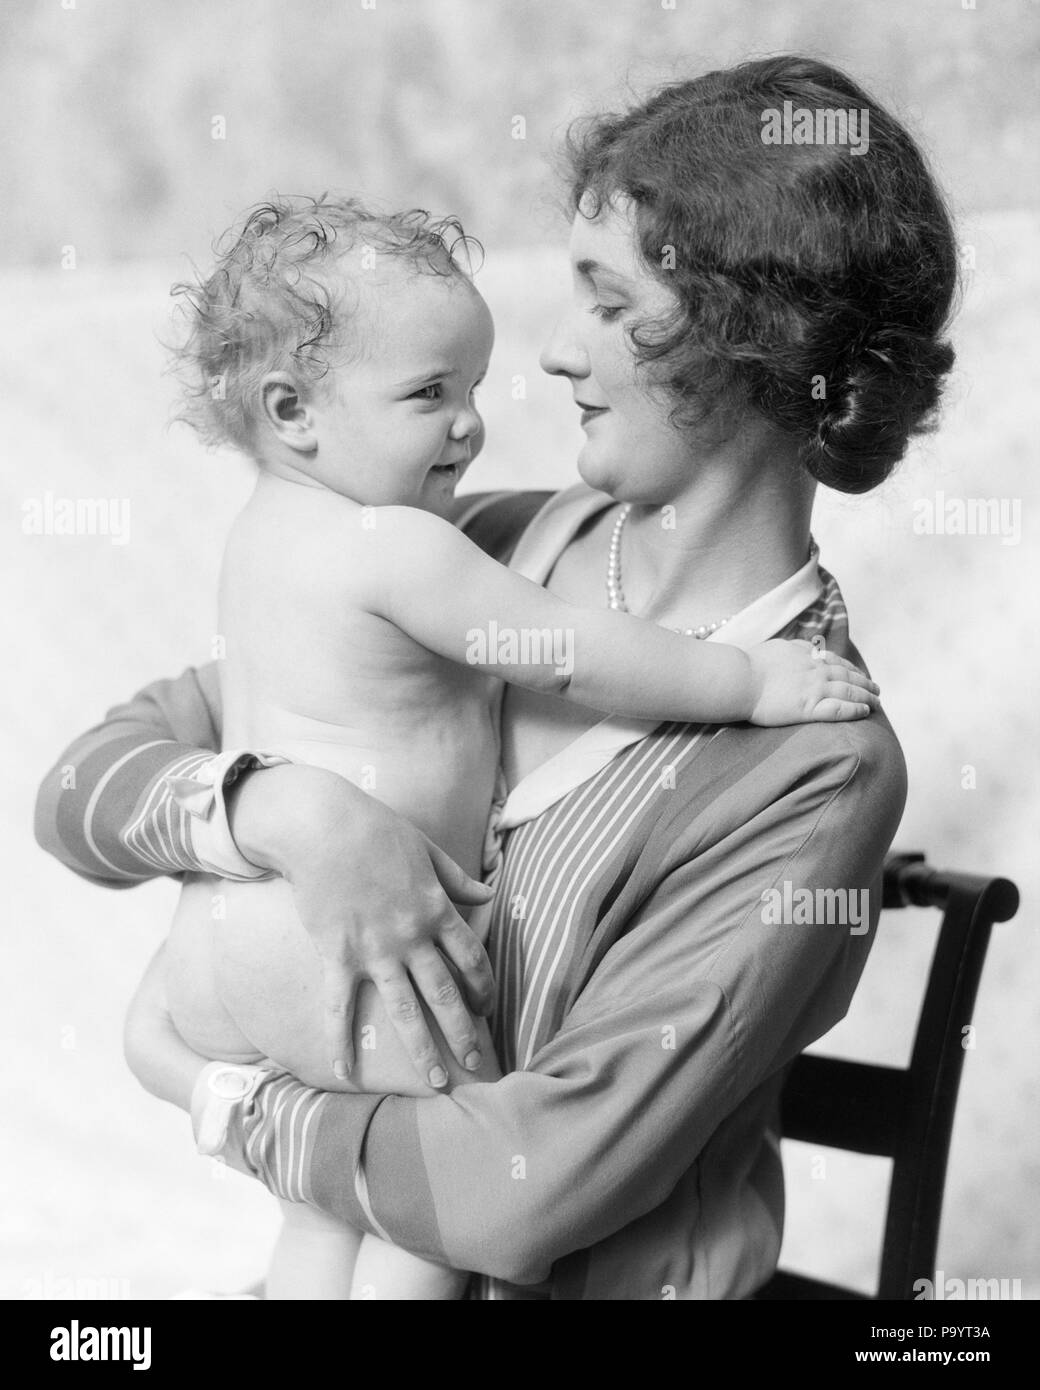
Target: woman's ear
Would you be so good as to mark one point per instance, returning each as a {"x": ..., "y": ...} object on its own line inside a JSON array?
[{"x": 285, "y": 414}]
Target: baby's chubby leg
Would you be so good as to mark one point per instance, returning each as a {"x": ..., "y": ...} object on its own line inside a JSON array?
[
  {"x": 385, "y": 1273},
  {"x": 245, "y": 984},
  {"x": 192, "y": 974},
  {"x": 314, "y": 1256},
  {"x": 249, "y": 981}
]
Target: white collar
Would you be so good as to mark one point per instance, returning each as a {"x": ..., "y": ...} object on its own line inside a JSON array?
[{"x": 546, "y": 537}]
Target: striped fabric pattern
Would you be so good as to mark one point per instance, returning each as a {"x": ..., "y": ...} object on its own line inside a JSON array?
[
  {"x": 553, "y": 864},
  {"x": 109, "y": 813},
  {"x": 286, "y": 1113},
  {"x": 105, "y": 809},
  {"x": 159, "y": 832}
]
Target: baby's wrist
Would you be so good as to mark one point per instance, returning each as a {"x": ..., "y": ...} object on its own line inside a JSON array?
[{"x": 749, "y": 686}]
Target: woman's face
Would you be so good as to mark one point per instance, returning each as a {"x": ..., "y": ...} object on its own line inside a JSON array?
[{"x": 632, "y": 451}]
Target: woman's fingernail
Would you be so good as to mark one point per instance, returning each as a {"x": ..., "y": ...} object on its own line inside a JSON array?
[
  {"x": 438, "y": 1077},
  {"x": 340, "y": 1068},
  {"x": 472, "y": 1061}
]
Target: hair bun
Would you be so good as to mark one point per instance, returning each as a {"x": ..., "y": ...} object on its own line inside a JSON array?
[{"x": 892, "y": 390}]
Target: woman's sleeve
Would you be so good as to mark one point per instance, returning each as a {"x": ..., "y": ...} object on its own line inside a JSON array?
[
  {"x": 140, "y": 794},
  {"x": 707, "y": 994}
]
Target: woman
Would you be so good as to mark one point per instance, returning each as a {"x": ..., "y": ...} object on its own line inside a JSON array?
[{"x": 748, "y": 319}]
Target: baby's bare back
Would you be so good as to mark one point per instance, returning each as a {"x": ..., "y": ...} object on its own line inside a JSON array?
[{"x": 311, "y": 673}]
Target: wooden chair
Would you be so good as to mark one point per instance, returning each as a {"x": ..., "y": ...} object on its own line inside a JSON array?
[{"x": 905, "y": 1114}]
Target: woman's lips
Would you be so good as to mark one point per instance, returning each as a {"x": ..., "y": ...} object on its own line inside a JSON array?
[{"x": 592, "y": 412}]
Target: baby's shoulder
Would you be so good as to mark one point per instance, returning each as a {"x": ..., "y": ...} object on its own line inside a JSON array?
[
  {"x": 405, "y": 546},
  {"x": 305, "y": 536},
  {"x": 398, "y": 519},
  {"x": 323, "y": 541}
]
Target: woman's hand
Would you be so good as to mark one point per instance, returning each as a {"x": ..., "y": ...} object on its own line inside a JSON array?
[
  {"x": 376, "y": 897},
  {"x": 797, "y": 682}
]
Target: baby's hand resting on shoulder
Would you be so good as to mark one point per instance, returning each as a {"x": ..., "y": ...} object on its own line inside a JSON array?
[{"x": 795, "y": 682}]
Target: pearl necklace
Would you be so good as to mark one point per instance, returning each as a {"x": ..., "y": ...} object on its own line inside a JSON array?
[{"x": 615, "y": 594}]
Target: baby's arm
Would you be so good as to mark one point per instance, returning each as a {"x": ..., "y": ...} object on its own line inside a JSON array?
[{"x": 434, "y": 584}]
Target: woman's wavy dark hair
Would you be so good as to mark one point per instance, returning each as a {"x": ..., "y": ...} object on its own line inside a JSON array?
[
  {"x": 268, "y": 303},
  {"x": 799, "y": 268}
]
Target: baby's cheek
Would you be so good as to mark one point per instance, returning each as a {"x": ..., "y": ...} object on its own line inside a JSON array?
[{"x": 477, "y": 441}]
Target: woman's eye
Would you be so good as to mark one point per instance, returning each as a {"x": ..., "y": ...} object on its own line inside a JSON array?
[
  {"x": 428, "y": 393},
  {"x": 607, "y": 312}
]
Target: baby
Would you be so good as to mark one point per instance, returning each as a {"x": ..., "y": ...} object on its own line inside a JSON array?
[{"x": 341, "y": 349}]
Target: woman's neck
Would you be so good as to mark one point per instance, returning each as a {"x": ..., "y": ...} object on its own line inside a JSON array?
[{"x": 739, "y": 529}]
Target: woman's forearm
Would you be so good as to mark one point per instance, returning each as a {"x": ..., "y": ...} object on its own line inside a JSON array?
[
  {"x": 105, "y": 810},
  {"x": 276, "y": 813}
]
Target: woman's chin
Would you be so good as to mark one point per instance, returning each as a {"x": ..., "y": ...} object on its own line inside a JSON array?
[{"x": 598, "y": 473}]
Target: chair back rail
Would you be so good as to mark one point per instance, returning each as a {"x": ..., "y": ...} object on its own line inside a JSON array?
[{"x": 905, "y": 1114}]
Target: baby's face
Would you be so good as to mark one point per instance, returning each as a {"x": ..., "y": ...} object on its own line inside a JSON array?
[{"x": 396, "y": 424}]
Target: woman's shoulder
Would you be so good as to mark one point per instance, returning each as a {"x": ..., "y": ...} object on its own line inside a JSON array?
[
  {"x": 869, "y": 748},
  {"x": 851, "y": 776},
  {"x": 803, "y": 768},
  {"x": 576, "y": 503},
  {"x": 831, "y": 794},
  {"x": 554, "y": 526}
]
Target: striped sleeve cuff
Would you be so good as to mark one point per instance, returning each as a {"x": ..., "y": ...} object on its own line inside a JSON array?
[
  {"x": 98, "y": 809},
  {"x": 276, "y": 1136},
  {"x": 158, "y": 833},
  {"x": 278, "y": 1129},
  {"x": 188, "y": 813}
]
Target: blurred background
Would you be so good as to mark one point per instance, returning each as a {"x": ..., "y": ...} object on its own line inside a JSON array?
[{"x": 139, "y": 131}]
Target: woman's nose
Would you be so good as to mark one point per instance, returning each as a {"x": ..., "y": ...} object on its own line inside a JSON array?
[{"x": 563, "y": 354}]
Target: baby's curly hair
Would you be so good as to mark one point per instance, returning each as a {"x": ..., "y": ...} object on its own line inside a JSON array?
[
  {"x": 791, "y": 262},
  {"x": 268, "y": 303}
]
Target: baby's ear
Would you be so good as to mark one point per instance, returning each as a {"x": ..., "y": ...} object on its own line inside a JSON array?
[{"x": 284, "y": 413}]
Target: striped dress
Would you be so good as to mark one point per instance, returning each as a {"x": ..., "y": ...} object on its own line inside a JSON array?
[{"x": 648, "y": 1003}]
